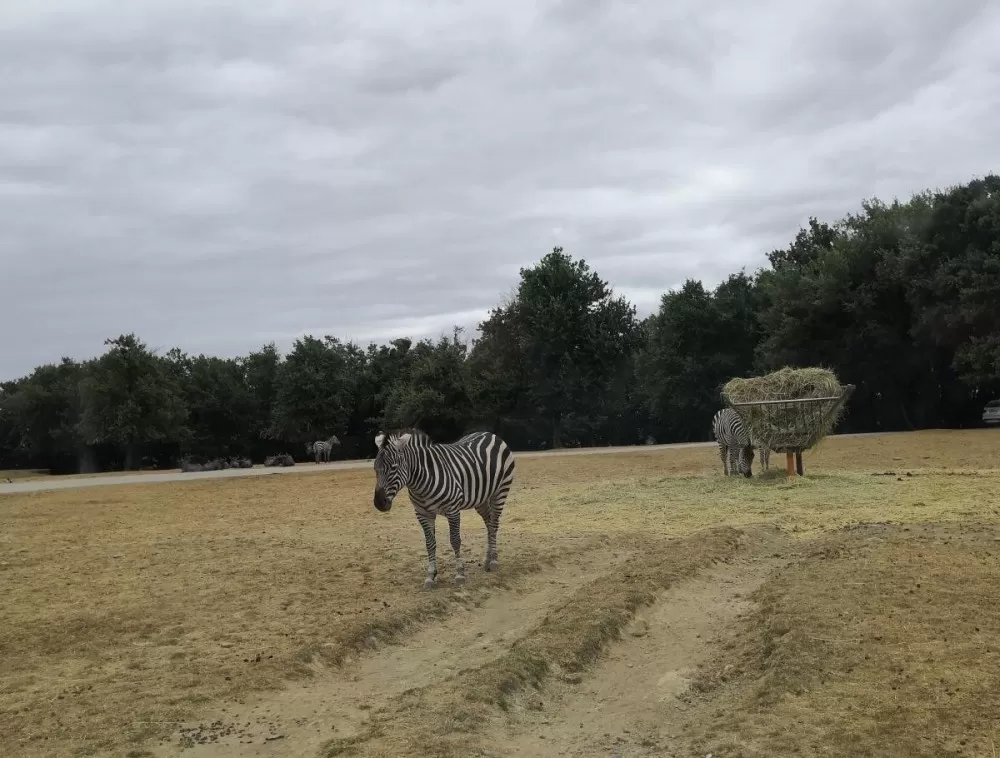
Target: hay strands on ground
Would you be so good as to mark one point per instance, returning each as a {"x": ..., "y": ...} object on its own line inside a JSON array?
[{"x": 789, "y": 410}]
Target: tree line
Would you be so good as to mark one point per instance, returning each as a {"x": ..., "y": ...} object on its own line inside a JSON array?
[{"x": 901, "y": 299}]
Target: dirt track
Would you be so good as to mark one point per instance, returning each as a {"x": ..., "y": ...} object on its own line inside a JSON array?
[
  {"x": 334, "y": 703},
  {"x": 626, "y": 706}
]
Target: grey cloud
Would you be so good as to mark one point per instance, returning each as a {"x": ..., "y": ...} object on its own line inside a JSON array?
[{"x": 217, "y": 174}]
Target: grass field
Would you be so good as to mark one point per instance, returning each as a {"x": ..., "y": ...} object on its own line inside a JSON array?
[{"x": 853, "y": 612}]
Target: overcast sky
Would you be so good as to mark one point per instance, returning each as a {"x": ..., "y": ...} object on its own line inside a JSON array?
[{"x": 217, "y": 175}]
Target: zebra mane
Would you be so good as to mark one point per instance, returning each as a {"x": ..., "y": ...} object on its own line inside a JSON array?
[{"x": 413, "y": 436}]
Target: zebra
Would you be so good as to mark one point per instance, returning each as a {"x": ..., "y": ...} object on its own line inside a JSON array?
[
  {"x": 476, "y": 471},
  {"x": 734, "y": 443},
  {"x": 322, "y": 448},
  {"x": 765, "y": 454}
]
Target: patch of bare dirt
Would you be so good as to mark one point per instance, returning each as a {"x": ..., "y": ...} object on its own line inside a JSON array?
[{"x": 628, "y": 704}]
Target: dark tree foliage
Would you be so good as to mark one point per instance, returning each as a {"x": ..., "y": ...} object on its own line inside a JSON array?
[{"x": 901, "y": 300}]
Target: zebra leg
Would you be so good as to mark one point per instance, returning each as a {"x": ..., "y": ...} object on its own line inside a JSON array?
[
  {"x": 724, "y": 454},
  {"x": 455, "y": 532},
  {"x": 491, "y": 517},
  {"x": 484, "y": 511},
  {"x": 427, "y": 524}
]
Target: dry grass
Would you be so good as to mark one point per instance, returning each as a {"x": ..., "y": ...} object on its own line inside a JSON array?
[
  {"x": 127, "y": 608},
  {"x": 879, "y": 642}
]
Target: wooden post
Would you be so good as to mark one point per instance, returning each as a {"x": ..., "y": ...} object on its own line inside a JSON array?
[
  {"x": 798, "y": 462},
  {"x": 790, "y": 464}
]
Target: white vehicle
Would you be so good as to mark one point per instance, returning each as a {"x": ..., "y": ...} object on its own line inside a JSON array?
[{"x": 991, "y": 413}]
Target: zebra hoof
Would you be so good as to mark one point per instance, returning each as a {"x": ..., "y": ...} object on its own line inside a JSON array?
[
  {"x": 460, "y": 579},
  {"x": 493, "y": 566},
  {"x": 429, "y": 583}
]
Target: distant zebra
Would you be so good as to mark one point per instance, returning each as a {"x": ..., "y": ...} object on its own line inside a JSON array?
[
  {"x": 322, "y": 448},
  {"x": 735, "y": 447},
  {"x": 444, "y": 479},
  {"x": 765, "y": 454}
]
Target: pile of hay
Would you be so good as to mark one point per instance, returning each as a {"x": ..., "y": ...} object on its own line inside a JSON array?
[{"x": 794, "y": 426}]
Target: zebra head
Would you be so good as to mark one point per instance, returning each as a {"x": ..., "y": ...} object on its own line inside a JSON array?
[
  {"x": 391, "y": 469},
  {"x": 746, "y": 461}
]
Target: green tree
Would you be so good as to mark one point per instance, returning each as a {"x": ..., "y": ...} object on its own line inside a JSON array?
[
  {"x": 808, "y": 245},
  {"x": 131, "y": 399},
  {"x": 574, "y": 338},
  {"x": 498, "y": 385},
  {"x": 261, "y": 369},
  {"x": 42, "y": 413},
  {"x": 220, "y": 404},
  {"x": 954, "y": 275},
  {"x": 432, "y": 391},
  {"x": 315, "y": 390},
  {"x": 696, "y": 342}
]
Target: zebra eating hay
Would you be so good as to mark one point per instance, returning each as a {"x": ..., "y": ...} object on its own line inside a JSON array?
[
  {"x": 445, "y": 479},
  {"x": 735, "y": 447},
  {"x": 322, "y": 448}
]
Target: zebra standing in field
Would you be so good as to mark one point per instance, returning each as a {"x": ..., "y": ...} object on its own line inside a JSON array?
[
  {"x": 445, "y": 479},
  {"x": 323, "y": 448},
  {"x": 735, "y": 446}
]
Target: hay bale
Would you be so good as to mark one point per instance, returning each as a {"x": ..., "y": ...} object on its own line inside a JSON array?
[
  {"x": 794, "y": 426},
  {"x": 784, "y": 384}
]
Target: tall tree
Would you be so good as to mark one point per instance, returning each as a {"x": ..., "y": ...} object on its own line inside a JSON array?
[
  {"x": 498, "y": 384},
  {"x": 315, "y": 390},
  {"x": 131, "y": 399},
  {"x": 261, "y": 369},
  {"x": 696, "y": 342},
  {"x": 43, "y": 411},
  {"x": 433, "y": 390},
  {"x": 954, "y": 276},
  {"x": 574, "y": 335},
  {"x": 220, "y": 403}
]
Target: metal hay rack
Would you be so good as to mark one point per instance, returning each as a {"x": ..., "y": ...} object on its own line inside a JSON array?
[{"x": 791, "y": 426}]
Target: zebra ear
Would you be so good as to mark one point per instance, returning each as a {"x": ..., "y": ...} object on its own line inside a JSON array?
[
  {"x": 401, "y": 440},
  {"x": 379, "y": 439}
]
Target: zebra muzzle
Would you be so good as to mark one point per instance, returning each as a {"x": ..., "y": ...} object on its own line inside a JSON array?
[{"x": 382, "y": 503}]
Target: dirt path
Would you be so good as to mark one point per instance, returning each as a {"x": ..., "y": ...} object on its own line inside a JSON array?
[
  {"x": 627, "y": 705},
  {"x": 297, "y": 721},
  {"x": 70, "y": 482}
]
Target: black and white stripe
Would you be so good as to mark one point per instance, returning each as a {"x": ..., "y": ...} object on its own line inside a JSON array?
[
  {"x": 477, "y": 472},
  {"x": 765, "y": 454},
  {"x": 735, "y": 447},
  {"x": 323, "y": 448}
]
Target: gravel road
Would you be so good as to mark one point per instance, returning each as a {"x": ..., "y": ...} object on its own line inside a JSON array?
[{"x": 70, "y": 482}]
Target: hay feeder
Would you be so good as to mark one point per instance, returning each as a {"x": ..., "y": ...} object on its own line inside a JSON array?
[{"x": 790, "y": 410}]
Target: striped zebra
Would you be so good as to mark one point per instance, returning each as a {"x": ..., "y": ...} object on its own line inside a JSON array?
[
  {"x": 445, "y": 479},
  {"x": 322, "y": 448},
  {"x": 735, "y": 447},
  {"x": 765, "y": 454}
]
